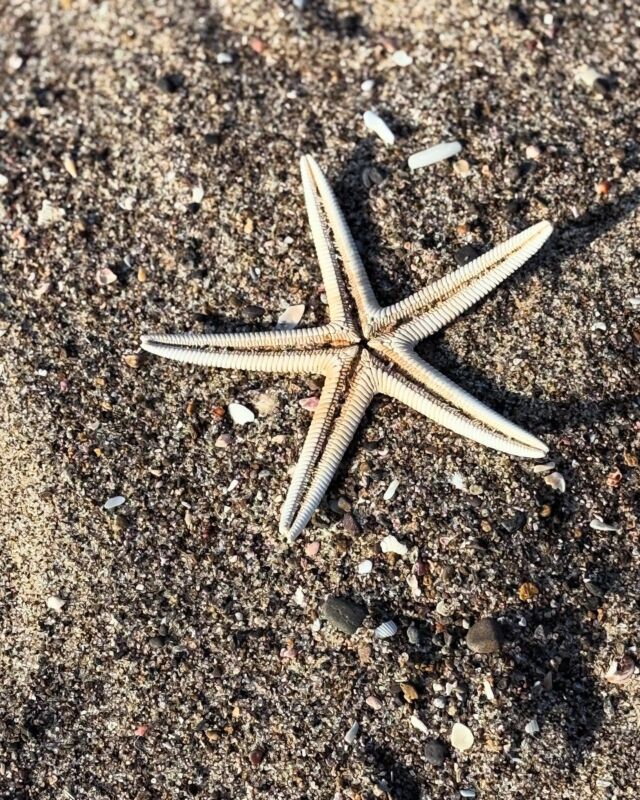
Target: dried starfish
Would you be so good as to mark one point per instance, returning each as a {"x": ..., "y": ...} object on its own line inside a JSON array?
[{"x": 364, "y": 350}]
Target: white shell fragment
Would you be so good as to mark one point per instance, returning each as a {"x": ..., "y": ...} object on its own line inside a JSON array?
[
  {"x": 377, "y": 125},
  {"x": 620, "y": 672},
  {"x": 468, "y": 793},
  {"x": 386, "y": 630},
  {"x": 488, "y": 690},
  {"x": 365, "y": 567},
  {"x": 391, "y": 545},
  {"x": 350, "y": 735},
  {"x": 290, "y": 318},
  {"x": 461, "y": 737},
  {"x": 587, "y": 75},
  {"x": 556, "y": 481},
  {"x": 240, "y": 414},
  {"x": 105, "y": 276},
  {"x": 391, "y": 490},
  {"x": 532, "y": 727},
  {"x": 600, "y": 525},
  {"x": 114, "y": 502},
  {"x": 50, "y": 214},
  {"x": 544, "y": 467},
  {"x": 418, "y": 724},
  {"x": 401, "y": 58},
  {"x": 55, "y": 603},
  {"x": 367, "y": 86},
  {"x": 432, "y": 155}
]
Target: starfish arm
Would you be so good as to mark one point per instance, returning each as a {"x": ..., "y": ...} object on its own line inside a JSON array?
[
  {"x": 324, "y": 416},
  {"x": 365, "y": 300},
  {"x": 420, "y": 400},
  {"x": 312, "y": 362},
  {"x": 275, "y": 339},
  {"x": 457, "y": 291},
  {"x": 437, "y": 383},
  {"x": 332, "y": 279},
  {"x": 359, "y": 395}
]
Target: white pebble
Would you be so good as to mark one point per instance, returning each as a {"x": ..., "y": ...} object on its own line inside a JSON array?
[
  {"x": 599, "y": 326},
  {"x": 105, "y": 276},
  {"x": 197, "y": 194},
  {"x": 373, "y": 702},
  {"x": 55, "y": 603},
  {"x": 240, "y": 414},
  {"x": 290, "y": 317},
  {"x": 391, "y": 490},
  {"x": 386, "y": 630},
  {"x": 600, "y": 525},
  {"x": 432, "y": 155},
  {"x": 532, "y": 727},
  {"x": 418, "y": 724},
  {"x": 461, "y": 737},
  {"x": 488, "y": 690},
  {"x": 367, "y": 86},
  {"x": 298, "y": 597},
  {"x": 224, "y": 58},
  {"x": 544, "y": 467},
  {"x": 556, "y": 481},
  {"x": 470, "y": 793},
  {"x": 4, "y": 181},
  {"x": 587, "y": 75},
  {"x": 401, "y": 58},
  {"x": 350, "y": 735},
  {"x": 391, "y": 545},
  {"x": 378, "y": 126},
  {"x": 14, "y": 62},
  {"x": 365, "y": 567},
  {"x": 50, "y": 214},
  {"x": 114, "y": 502},
  {"x": 458, "y": 481}
]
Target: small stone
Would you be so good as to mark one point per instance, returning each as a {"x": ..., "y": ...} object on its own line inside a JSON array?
[
  {"x": 365, "y": 567},
  {"x": 311, "y": 549},
  {"x": 485, "y": 636},
  {"x": 50, "y": 214},
  {"x": 461, "y": 737},
  {"x": 223, "y": 441},
  {"x": 528, "y": 591},
  {"x": 464, "y": 255},
  {"x": 514, "y": 523},
  {"x": 391, "y": 545},
  {"x": 105, "y": 276},
  {"x": 157, "y": 642},
  {"x": 132, "y": 360},
  {"x": 55, "y": 603},
  {"x": 413, "y": 635},
  {"x": 532, "y": 727},
  {"x": 367, "y": 86},
  {"x": 468, "y": 794},
  {"x": 350, "y": 735},
  {"x": 603, "y": 188},
  {"x": 462, "y": 167},
  {"x": 373, "y": 702},
  {"x": 532, "y": 152},
  {"x": 114, "y": 502},
  {"x": 401, "y": 58},
  {"x": 240, "y": 414},
  {"x": 256, "y": 756},
  {"x": 343, "y": 614},
  {"x": 435, "y": 752},
  {"x": 391, "y": 490},
  {"x": 409, "y": 692},
  {"x": 556, "y": 481}
]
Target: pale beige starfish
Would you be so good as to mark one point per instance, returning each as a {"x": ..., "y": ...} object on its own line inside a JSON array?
[{"x": 365, "y": 350}]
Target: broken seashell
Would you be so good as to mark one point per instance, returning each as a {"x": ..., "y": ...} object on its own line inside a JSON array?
[
  {"x": 365, "y": 567},
  {"x": 532, "y": 727},
  {"x": 377, "y": 125},
  {"x": 391, "y": 490},
  {"x": 290, "y": 317},
  {"x": 556, "y": 481},
  {"x": 386, "y": 630},
  {"x": 114, "y": 502},
  {"x": 544, "y": 467},
  {"x": 391, "y": 545},
  {"x": 55, "y": 603},
  {"x": 350, "y": 735},
  {"x": 600, "y": 525},
  {"x": 620, "y": 672},
  {"x": 418, "y": 724},
  {"x": 439, "y": 152}
]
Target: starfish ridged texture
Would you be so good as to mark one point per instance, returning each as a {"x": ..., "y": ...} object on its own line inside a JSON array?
[{"x": 365, "y": 349}]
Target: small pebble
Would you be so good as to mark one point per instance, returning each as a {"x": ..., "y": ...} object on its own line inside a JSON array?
[
  {"x": 343, "y": 614},
  {"x": 413, "y": 634},
  {"x": 435, "y": 752},
  {"x": 114, "y": 502},
  {"x": 485, "y": 636},
  {"x": 224, "y": 58},
  {"x": 462, "y": 168},
  {"x": 532, "y": 727},
  {"x": 409, "y": 692},
  {"x": 532, "y": 152},
  {"x": 132, "y": 360},
  {"x": 55, "y": 603},
  {"x": 418, "y": 724},
  {"x": 367, "y": 86},
  {"x": 373, "y": 702},
  {"x": 467, "y": 793},
  {"x": 50, "y": 214},
  {"x": 256, "y": 756},
  {"x": 461, "y": 737},
  {"x": 223, "y": 441},
  {"x": 240, "y": 414},
  {"x": 528, "y": 591},
  {"x": 311, "y": 549},
  {"x": 104, "y": 276},
  {"x": 365, "y": 567},
  {"x": 401, "y": 58}
]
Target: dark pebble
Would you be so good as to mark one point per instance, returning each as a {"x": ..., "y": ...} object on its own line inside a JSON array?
[
  {"x": 514, "y": 523},
  {"x": 157, "y": 642},
  {"x": 171, "y": 82},
  {"x": 256, "y": 756},
  {"x": 513, "y": 174},
  {"x": 343, "y": 614},
  {"x": 465, "y": 254},
  {"x": 485, "y": 636},
  {"x": 435, "y": 752},
  {"x": 254, "y": 312}
]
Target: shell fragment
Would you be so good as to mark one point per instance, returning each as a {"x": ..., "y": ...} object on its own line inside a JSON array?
[
  {"x": 439, "y": 152},
  {"x": 377, "y": 125}
]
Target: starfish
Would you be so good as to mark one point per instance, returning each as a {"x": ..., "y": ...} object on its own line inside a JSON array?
[{"x": 365, "y": 349}]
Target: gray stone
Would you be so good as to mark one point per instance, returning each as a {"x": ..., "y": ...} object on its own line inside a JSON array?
[
  {"x": 485, "y": 636},
  {"x": 435, "y": 752},
  {"x": 343, "y": 614}
]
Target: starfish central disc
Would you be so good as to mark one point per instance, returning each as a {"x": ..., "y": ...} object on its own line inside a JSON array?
[{"x": 365, "y": 349}]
